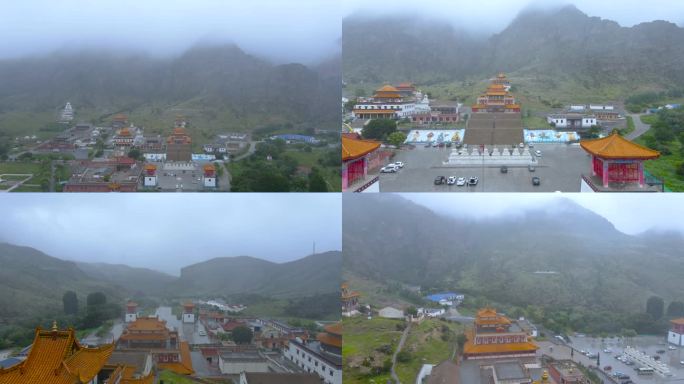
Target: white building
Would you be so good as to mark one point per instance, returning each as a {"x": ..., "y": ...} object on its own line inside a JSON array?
[
  {"x": 676, "y": 334},
  {"x": 572, "y": 120},
  {"x": 391, "y": 313},
  {"x": 311, "y": 358},
  {"x": 235, "y": 363}
]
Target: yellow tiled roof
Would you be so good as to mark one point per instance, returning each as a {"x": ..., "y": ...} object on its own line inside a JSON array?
[
  {"x": 617, "y": 147},
  {"x": 56, "y": 357},
  {"x": 353, "y": 149}
]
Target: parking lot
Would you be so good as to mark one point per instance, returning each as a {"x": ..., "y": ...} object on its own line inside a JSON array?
[
  {"x": 559, "y": 169},
  {"x": 648, "y": 344}
]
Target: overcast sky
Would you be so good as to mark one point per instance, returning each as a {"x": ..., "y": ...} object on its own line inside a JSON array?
[
  {"x": 166, "y": 231},
  {"x": 629, "y": 213},
  {"x": 293, "y": 30},
  {"x": 488, "y": 16}
]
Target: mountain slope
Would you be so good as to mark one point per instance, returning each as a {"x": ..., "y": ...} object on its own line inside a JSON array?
[
  {"x": 308, "y": 276},
  {"x": 211, "y": 82},
  {"x": 134, "y": 280},
  {"x": 559, "y": 44},
  {"x": 392, "y": 240},
  {"x": 32, "y": 283}
]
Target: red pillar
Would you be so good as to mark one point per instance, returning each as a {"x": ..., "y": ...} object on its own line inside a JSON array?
[
  {"x": 641, "y": 173},
  {"x": 605, "y": 173}
]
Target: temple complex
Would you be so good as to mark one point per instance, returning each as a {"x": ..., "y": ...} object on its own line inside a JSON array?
[
  {"x": 359, "y": 159},
  {"x": 123, "y": 138},
  {"x": 179, "y": 143},
  {"x": 497, "y": 98},
  {"x": 350, "y": 300},
  {"x": 617, "y": 165},
  {"x": 495, "y": 118},
  {"x": 389, "y": 102},
  {"x": 494, "y": 336},
  {"x": 56, "y": 357},
  {"x": 151, "y": 334}
]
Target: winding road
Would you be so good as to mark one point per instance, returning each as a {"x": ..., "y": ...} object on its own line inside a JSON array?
[{"x": 639, "y": 127}]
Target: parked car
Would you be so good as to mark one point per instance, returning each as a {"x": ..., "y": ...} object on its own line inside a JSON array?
[
  {"x": 607, "y": 368},
  {"x": 389, "y": 168},
  {"x": 472, "y": 181},
  {"x": 451, "y": 180},
  {"x": 538, "y": 153},
  {"x": 536, "y": 181},
  {"x": 461, "y": 181},
  {"x": 672, "y": 348},
  {"x": 521, "y": 145},
  {"x": 531, "y": 145},
  {"x": 440, "y": 180},
  {"x": 428, "y": 145},
  {"x": 531, "y": 168},
  {"x": 399, "y": 164},
  {"x": 660, "y": 351},
  {"x": 504, "y": 169}
]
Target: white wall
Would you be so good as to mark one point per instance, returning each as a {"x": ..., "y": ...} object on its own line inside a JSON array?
[{"x": 312, "y": 364}]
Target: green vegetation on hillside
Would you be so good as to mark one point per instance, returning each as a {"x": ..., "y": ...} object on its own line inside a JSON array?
[
  {"x": 667, "y": 136},
  {"x": 368, "y": 348},
  {"x": 278, "y": 167},
  {"x": 429, "y": 342}
]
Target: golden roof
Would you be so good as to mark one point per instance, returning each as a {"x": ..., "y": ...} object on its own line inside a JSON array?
[
  {"x": 123, "y": 374},
  {"x": 184, "y": 367},
  {"x": 473, "y": 349},
  {"x": 500, "y": 76},
  {"x": 353, "y": 149},
  {"x": 335, "y": 329},
  {"x": 617, "y": 147},
  {"x": 207, "y": 167},
  {"x": 326, "y": 339},
  {"x": 679, "y": 321},
  {"x": 489, "y": 316},
  {"x": 387, "y": 88},
  {"x": 147, "y": 324},
  {"x": 56, "y": 357},
  {"x": 148, "y": 167},
  {"x": 387, "y": 95},
  {"x": 376, "y": 111}
]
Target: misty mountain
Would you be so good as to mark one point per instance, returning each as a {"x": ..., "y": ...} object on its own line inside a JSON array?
[
  {"x": 217, "y": 79},
  {"x": 389, "y": 239},
  {"x": 563, "y": 43},
  {"x": 314, "y": 274},
  {"x": 135, "y": 280},
  {"x": 32, "y": 282}
]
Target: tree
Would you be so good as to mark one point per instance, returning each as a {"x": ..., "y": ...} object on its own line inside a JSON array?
[
  {"x": 675, "y": 309},
  {"x": 316, "y": 181},
  {"x": 135, "y": 153},
  {"x": 242, "y": 335},
  {"x": 70, "y": 301},
  {"x": 379, "y": 129},
  {"x": 96, "y": 298},
  {"x": 655, "y": 306},
  {"x": 411, "y": 311},
  {"x": 396, "y": 138}
]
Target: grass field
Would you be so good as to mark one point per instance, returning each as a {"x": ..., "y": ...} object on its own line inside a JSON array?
[
  {"x": 429, "y": 342},
  {"x": 665, "y": 166},
  {"x": 362, "y": 339},
  {"x": 310, "y": 159},
  {"x": 374, "y": 293},
  {"x": 38, "y": 170},
  {"x": 172, "y": 378}
]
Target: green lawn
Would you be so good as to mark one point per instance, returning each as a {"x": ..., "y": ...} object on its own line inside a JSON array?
[
  {"x": 310, "y": 159},
  {"x": 39, "y": 172},
  {"x": 172, "y": 378},
  {"x": 649, "y": 119},
  {"x": 427, "y": 346},
  {"x": 665, "y": 166},
  {"x": 362, "y": 338}
]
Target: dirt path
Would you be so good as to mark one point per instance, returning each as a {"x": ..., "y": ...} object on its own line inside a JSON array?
[{"x": 399, "y": 347}]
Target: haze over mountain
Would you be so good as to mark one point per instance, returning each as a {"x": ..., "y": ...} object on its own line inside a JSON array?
[
  {"x": 32, "y": 282},
  {"x": 214, "y": 80},
  {"x": 391, "y": 239},
  {"x": 167, "y": 232},
  {"x": 305, "y": 31},
  {"x": 554, "y": 44}
]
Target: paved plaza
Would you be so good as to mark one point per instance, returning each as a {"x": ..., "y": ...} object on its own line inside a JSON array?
[{"x": 560, "y": 168}]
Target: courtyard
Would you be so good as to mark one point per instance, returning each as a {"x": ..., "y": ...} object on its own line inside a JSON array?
[{"x": 559, "y": 168}]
